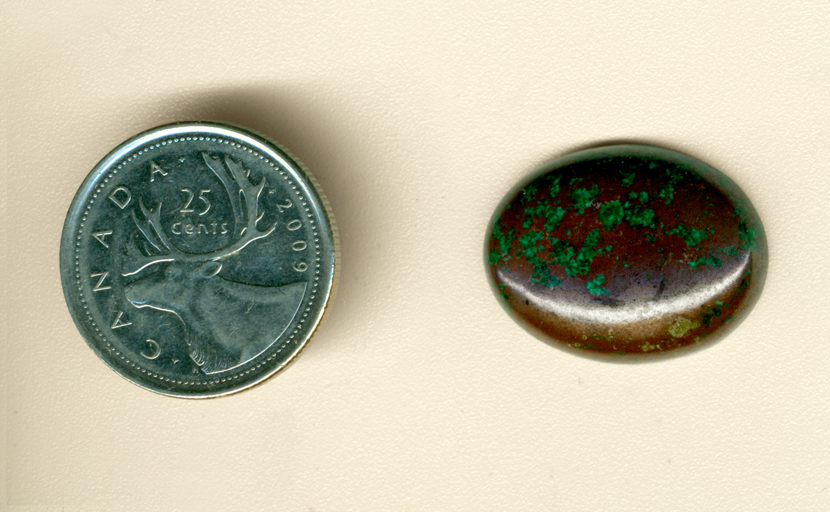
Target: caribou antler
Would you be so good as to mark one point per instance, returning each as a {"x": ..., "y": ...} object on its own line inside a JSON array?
[
  {"x": 236, "y": 180},
  {"x": 241, "y": 192},
  {"x": 150, "y": 227}
]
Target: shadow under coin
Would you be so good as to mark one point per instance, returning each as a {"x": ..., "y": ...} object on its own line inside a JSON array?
[{"x": 299, "y": 119}]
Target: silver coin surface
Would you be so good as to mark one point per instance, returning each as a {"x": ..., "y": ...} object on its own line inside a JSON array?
[{"x": 198, "y": 259}]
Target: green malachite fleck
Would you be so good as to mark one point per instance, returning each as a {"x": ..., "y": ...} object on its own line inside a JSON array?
[
  {"x": 667, "y": 193},
  {"x": 711, "y": 261},
  {"x": 627, "y": 251},
  {"x": 611, "y": 214},
  {"x": 595, "y": 286},
  {"x": 691, "y": 236},
  {"x": 582, "y": 198},
  {"x": 638, "y": 216}
]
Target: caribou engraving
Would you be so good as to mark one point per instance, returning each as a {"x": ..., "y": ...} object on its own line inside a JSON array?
[{"x": 226, "y": 323}]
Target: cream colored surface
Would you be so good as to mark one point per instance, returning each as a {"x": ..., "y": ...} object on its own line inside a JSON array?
[{"x": 419, "y": 393}]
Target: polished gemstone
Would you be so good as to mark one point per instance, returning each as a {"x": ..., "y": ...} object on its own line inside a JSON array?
[{"x": 626, "y": 252}]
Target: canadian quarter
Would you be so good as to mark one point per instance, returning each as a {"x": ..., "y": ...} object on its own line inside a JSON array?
[{"x": 198, "y": 259}]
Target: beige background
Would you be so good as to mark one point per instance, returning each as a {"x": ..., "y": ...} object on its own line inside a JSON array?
[{"x": 419, "y": 393}]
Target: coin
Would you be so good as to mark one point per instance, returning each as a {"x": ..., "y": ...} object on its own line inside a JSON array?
[
  {"x": 627, "y": 252},
  {"x": 198, "y": 259}
]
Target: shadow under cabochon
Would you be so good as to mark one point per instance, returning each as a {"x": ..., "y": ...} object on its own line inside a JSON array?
[{"x": 627, "y": 252}]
